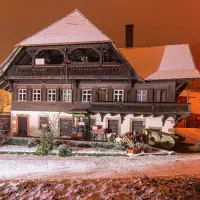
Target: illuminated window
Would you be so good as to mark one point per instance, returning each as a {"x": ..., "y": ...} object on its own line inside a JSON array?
[
  {"x": 118, "y": 95},
  {"x": 22, "y": 95}
]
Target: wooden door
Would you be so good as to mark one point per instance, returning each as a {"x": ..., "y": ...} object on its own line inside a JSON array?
[
  {"x": 138, "y": 126},
  {"x": 22, "y": 126},
  {"x": 65, "y": 127},
  {"x": 113, "y": 126},
  {"x": 102, "y": 94}
]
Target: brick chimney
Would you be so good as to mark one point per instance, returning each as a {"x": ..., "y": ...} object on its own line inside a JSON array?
[{"x": 129, "y": 35}]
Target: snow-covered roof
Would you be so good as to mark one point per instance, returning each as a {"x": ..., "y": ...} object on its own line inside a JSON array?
[
  {"x": 163, "y": 62},
  {"x": 73, "y": 28}
]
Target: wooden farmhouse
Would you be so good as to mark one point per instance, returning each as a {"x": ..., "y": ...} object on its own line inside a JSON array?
[{"x": 70, "y": 76}]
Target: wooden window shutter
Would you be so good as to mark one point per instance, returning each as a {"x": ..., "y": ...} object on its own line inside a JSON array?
[
  {"x": 94, "y": 94},
  {"x": 150, "y": 95},
  {"x": 133, "y": 95},
  {"x": 110, "y": 94},
  {"x": 61, "y": 94},
  {"x": 164, "y": 95},
  {"x": 58, "y": 94},
  {"x": 44, "y": 94},
  {"x": 157, "y": 96},
  {"x": 126, "y": 94},
  {"x": 15, "y": 92},
  {"x": 29, "y": 94},
  {"x": 78, "y": 95}
]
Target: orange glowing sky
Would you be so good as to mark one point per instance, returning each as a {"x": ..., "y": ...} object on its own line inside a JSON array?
[{"x": 156, "y": 22}]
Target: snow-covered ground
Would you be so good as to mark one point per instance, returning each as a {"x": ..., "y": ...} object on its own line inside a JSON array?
[{"x": 29, "y": 166}]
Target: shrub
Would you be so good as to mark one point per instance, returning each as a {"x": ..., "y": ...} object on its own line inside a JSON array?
[
  {"x": 17, "y": 141},
  {"x": 46, "y": 144},
  {"x": 33, "y": 142},
  {"x": 64, "y": 150}
]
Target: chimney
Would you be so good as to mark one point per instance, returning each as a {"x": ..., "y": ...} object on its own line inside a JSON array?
[{"x": 129, "y": 35}]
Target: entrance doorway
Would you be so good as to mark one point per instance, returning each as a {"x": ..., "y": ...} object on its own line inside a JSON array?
[
  {"x": 65, "y": 127},
  {"x": 22, "y": 126},
  {"x": 113, "y": 126}
]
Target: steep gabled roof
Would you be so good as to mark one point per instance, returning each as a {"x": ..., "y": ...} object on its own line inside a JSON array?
[
  {"x": 73, "y": 28},
  {"x": 163, "y": 62}
]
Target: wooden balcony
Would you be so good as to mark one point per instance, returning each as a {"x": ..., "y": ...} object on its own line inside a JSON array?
[
  {"x": 73, "y": 71},
  {"x": 140, "y": 108}
]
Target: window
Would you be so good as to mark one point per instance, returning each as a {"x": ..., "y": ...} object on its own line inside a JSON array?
[
  {"x": 142, "y": 95},
  {"x": 22, "y": 95},
  {"x": 36, "y": 95},
  {"x": 86, "y": 96},
  {"x": 51, "y": 95},
  {"x": 118, "y": 95},
  {"x": 67, "y": 95},
  {"x": 43, "y": 122}
]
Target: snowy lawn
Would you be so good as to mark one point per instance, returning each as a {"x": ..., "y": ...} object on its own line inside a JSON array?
[
  {"x": 25, "y": 149},
  {"x": 30, "y": 166}
]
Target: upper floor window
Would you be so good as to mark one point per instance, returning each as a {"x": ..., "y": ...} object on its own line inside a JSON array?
[
  {"x": 51, "y": 95},
  {"x": 67, "y": 95},
  {"x": 36, "y": 95},
  {"x": 142, "y": 95},
  {"x": 86, "y": 96},
  {"x": 83, "y": 55},
  {"x": 118, "y": 95},
  {"x": 22, "y": 95}
]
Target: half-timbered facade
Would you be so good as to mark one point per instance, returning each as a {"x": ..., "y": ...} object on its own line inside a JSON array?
[{"x": 73, "y": 71}]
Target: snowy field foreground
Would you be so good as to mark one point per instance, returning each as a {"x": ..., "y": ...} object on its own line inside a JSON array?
[{"x": 29, "y": 166}]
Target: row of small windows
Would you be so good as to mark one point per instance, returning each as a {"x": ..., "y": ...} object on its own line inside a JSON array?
[{"x": 118, "y": 95}]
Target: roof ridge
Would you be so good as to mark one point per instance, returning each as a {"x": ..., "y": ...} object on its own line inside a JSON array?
[
  {"x": 51, "y": 25},
  {"x": 92, "y": 24},
  {"x": 76, "y": 10}
]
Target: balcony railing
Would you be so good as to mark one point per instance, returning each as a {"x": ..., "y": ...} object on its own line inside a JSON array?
[
  {"x": 109, "y": 70},
  {"x": 140, "y": 108}
]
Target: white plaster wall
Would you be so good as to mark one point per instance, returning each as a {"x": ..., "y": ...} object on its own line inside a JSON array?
[
  {"x": 34, "y": 117},
  {"x": 149, "y": 122}
]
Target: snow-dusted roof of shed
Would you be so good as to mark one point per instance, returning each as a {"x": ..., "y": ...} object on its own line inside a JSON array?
[
  {"x": 163, "y": 62},
  {"x": 73, "y": 28}
]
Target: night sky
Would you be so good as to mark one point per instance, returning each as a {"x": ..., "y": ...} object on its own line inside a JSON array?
[{"x": 157, "y": 22}]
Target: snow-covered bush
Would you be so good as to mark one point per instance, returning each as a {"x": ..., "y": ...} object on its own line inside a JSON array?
[
  {"x": 33, "y": 142},
  {"x": 46, "y": 144},
  {"x": 64, "y": 150}
]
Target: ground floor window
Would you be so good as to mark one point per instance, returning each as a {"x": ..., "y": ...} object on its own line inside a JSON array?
[{"x": 43, "y": 122}]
